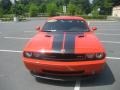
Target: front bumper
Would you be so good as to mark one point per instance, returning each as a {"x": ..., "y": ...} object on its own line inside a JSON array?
[
  {"x": 61, "y": 78},
  {"x": 51, "y": 69}
]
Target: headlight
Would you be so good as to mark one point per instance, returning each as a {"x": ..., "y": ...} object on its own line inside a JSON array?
[
  {"x": 100, "y": 55},
  {"x": 35, "y": 55},
  {"x": 95, "y": 56},
  {"x": 28, "y": 54}
]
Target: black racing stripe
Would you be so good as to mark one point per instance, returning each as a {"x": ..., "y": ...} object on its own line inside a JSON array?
[
  {"x": 57, "y": 41},
  {"x": 69, "y": 44}
]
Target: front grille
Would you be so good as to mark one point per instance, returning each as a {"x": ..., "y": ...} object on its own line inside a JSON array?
[
  {"x": 63, "y": 72},
  {"x": 63, "y": 57}
]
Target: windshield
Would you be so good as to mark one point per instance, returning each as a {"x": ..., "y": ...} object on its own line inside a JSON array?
[{"x": 65, "y": 26}]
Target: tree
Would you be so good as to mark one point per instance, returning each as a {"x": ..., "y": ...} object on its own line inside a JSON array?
[
  {"x": 25, "y": 2},
  {"x": 95, "y": 12},
  {"x": 42, "y": 8},
  {"x": 51, "y": 9},
  {"x": 104, "y": 5},
  {"x": 1, "y": 11},
  {"x": 18, "y": 9},
  {"x": 33, "y": 10},
  {"x": 86, "y": 6},
  {"x": 37, "y": 2},
  {"x": 83, "y": 5},
  {"x": 6, "y": 5},
  {"x": 65, "y": 2},
  {"x": 71, "y": 9},
  {"x": 116, "y": 2},
  {"x": 107, "y": 7}
]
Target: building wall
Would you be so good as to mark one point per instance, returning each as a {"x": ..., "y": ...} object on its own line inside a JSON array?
[{"x": 116, "y": 11}]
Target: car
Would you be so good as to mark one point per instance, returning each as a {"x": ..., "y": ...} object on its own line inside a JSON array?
[{"x": 64, "y": 48}]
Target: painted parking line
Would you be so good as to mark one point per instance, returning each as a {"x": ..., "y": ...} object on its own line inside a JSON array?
[
  {"x": 108, "y": 34},
  {"x": 15, "y": 38},
  {"x": 77, "y": 85},
  {"x": 11, "y": 51},
  {"x": 113, "y": 42},
  {"x": 113, "y": 58}
]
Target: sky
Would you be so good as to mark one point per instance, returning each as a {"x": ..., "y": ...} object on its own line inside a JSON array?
[
  {"x": 12, "y": 1},
  {"x": 90, "y": 1}
]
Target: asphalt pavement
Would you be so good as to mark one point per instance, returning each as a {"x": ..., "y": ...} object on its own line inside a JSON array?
[{"x": 14, "y": 75}]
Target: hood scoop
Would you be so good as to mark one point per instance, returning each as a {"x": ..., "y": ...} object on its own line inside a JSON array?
[{"x": 48, "y": 35}]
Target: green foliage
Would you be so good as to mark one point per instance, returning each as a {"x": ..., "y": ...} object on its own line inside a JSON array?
[
  {"x": 33, "y": 10},
  {"x": 55, "y": 7},
  {"x": 71, "y": 9},
  {"x": 5, "y": 5},
  {"x": 25, "y": 2},
  {"x": 116, "y": 2},
  {"x": 86, "y": 6},
  {"x": 18, "y": 9},
  {"x": 95, "y": 12},
  {"x": 1, "y": 12},
  {"x": 104, "y": 5},
  {"x": 83, "y": 5},
  {"x": 94, "y": 17},
  {"x": 52, "y": 9},
  {"x": 42, "y": 8},
  {"x": 6, "y": 19}
]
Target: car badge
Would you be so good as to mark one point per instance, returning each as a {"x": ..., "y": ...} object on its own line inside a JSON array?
[{"x": 63, "y": 51}]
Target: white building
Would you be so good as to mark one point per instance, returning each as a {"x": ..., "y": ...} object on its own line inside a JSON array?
[{"x": 116, "y": 11}]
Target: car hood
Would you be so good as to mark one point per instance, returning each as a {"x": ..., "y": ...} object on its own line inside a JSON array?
[{"x": 65, "y": 42}]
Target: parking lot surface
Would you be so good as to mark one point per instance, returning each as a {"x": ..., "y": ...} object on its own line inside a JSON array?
[{"x": 14, "y": 75}]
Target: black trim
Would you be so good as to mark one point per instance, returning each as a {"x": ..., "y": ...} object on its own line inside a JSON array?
[
  {"x": 69, "y": 45},
  {"x": 57, "y": 41}
]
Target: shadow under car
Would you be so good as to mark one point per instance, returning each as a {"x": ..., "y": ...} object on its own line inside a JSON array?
[{"x": 104, "y": 78}]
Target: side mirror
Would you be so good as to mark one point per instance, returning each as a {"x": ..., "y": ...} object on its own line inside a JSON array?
[
  {"x": 38, "y": 28},
  {"x": 94, "y": 28}
]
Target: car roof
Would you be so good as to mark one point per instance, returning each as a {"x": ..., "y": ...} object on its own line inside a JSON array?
[{"x": 67, "y": 18}]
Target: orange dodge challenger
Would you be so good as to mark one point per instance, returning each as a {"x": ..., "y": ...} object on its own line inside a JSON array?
[{"x": 64, "y": 47}]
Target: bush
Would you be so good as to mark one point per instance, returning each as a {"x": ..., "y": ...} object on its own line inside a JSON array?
[
  {"x": 8, "y": 16},
  {"x": 94, "y": 17},
  {"x": 1, "y": 12},
  {"x": 33, "y": 10},
  {"x": 6, "y": 19}
]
